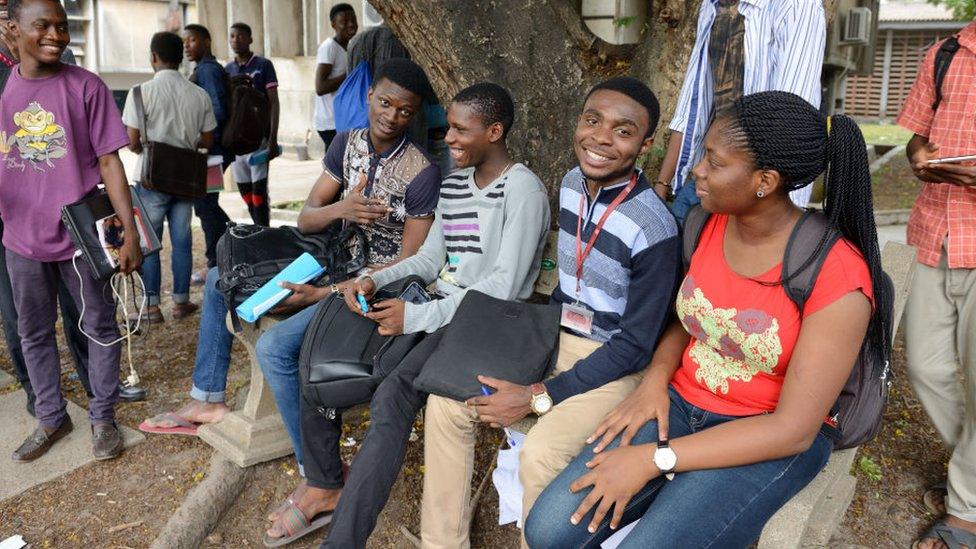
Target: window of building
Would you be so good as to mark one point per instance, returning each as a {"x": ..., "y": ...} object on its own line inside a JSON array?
[{"x": 79, "y": 26}]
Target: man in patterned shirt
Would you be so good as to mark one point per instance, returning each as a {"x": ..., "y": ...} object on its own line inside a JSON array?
[{"x": 940, "y": 324}]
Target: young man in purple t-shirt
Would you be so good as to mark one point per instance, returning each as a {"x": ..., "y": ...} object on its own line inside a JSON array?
[{"x": 60, "y": 133}]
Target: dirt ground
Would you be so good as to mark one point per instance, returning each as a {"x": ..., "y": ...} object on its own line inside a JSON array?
[{"x": 125, "y": 502}]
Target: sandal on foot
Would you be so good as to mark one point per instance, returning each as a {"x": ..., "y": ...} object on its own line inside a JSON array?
[
  {"x": 297, "y": 526},
  {"x": 954, "y": 538},
  {"x": 182, "y": 426},
  {"x": 929, "y": 498}
]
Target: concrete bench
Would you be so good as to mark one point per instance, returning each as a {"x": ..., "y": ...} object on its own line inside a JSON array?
[{"x": 255, "y": 433}]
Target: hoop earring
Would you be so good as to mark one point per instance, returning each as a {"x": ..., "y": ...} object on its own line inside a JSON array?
[{"x": 760, "y": 194}]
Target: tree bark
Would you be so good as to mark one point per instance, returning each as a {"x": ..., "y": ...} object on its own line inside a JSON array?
[{"x": 542, "y": 52}]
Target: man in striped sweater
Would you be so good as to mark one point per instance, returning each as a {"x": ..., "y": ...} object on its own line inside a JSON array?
[
  {"x": 619, "y": 257},
  {"x": 489, "y": 229}
]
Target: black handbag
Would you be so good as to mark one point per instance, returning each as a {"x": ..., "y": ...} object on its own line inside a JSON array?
[
  {"x": 248, "y": 256},
  {"x": 344, "y": 358},
  {"x": 509, "y": 340},
  {"x": 167, "y": 169}
]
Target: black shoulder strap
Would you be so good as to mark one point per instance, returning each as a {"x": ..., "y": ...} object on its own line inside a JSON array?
[
  {"x": 811, "y": 240},
  {"x": 943, "y": 58},
  {"x": 691, "y": 232}
]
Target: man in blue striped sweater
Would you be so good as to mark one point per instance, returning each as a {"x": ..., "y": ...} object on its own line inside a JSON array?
[{"x": 619, "y": 257}]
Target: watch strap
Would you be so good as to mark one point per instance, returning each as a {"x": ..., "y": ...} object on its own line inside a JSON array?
[{"x": 537, "y": 389}]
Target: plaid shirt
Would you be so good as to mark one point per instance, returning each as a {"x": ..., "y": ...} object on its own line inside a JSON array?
[{"x": 944, "y": 212}]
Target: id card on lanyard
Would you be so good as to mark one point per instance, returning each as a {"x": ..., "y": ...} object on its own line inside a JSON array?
[{"x": 575, "y": 316}]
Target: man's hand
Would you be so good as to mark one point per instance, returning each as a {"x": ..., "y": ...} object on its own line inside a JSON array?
[
  {"x": 389, "y": 315},
  {"x": 509, "y": 403},
  {"x": 130, "y": 256},
  {"x": 920, "y": 163},
  {"x": 646, "y": 403},
  {"x": 616, "y": 476},
  {"x": 954, "y": 173},
  {"x": 302, "y": 296},
  {"x": 360, "y": 286},
  {"x": 273, "y": 150},
  {"x": 361, "y": 210}
]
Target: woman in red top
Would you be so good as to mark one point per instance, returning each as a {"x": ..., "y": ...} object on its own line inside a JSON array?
[{"x": 741, "y": 383}]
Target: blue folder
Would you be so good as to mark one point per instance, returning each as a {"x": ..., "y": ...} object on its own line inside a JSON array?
[{"x": 304, "y": 269}]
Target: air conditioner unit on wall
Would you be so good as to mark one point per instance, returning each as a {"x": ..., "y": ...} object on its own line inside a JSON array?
[
  {"x": 857, "y": 26},
  {"x": 371, "y": 18}
]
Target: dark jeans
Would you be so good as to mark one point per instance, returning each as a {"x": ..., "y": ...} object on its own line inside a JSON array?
[
  {"x": 213, "y": 220},
  {"x": 377, "y": 464},
  {"x": 706, "y": 508},
  {"x": 684, "y": 200},
  {"x": 77, "y": 343},
  {"x": 327, "y": 137},
  {"x": 35, "y": 290}
]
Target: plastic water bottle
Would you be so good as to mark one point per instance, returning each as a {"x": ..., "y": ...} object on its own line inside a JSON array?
[{"x": 261, "y": 157}]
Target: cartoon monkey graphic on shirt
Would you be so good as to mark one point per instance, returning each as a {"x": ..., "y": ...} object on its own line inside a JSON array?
[{"x": 38, "y": 140}]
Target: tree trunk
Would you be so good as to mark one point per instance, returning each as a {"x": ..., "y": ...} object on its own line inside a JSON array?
[{"x": 543, "y": 53}]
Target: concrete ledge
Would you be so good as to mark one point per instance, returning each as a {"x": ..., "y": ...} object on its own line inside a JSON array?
[
  {"x": 891, "y": 217},
  {"x": 203, "y": 506}
]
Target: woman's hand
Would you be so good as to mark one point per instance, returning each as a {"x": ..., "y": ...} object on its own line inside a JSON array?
[
  {"x": 649, "y": 401},
  {"x": 616, "y": 476}
]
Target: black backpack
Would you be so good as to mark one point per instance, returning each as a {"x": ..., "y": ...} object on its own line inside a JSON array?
[
  {"x": 248, "y": 256},
  {"x": 856, "y": 416},
  {"x": 249, "y": 118},
  {"x": 943, "y": 58}
]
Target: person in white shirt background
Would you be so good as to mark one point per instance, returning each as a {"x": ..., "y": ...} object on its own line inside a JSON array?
[
  {"x": 333, "y": 65},
  {"x": 742, "y": 47}
]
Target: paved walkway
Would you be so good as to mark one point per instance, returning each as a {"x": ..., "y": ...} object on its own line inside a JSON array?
[{"x": 68, "y": 454}]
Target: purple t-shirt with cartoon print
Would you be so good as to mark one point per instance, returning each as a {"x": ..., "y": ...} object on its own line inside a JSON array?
[{"x": 52, "y": 132}]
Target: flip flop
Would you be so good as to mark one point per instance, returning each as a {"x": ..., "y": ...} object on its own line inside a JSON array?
[
  {"x": 954, "y": 538},
  {"x": 183, "y": 425},
  {"x": 928, "y": 498},
  {"x": 297, "y": 526}
]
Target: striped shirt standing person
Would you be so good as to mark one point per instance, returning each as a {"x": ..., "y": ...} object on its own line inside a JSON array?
[{"x": 776, "y": 45}]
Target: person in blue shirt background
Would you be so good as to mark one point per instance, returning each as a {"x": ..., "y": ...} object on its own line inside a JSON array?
[
  {"x": 252, "y": 180},
  {"x": 210, "y": 76}
]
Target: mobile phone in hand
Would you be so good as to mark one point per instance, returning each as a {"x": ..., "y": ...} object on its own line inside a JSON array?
[
  {"x": 953, "y": 159},
  {"x": 416, "y": 294}
]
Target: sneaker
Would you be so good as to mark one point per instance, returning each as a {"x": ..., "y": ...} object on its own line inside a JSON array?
[
  {"x": 131, "y": 393},
  {"x": 106, "y": 441},
  {"x": 183, "y": 310},
  {"x": 199, "y": 278},
  {"x": 40, "y": 442}
]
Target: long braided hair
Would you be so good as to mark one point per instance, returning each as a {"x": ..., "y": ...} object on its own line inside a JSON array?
[{"x": 780, "y": 131}]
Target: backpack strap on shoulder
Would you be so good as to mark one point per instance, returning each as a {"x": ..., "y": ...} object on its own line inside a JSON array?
[
  {"x": 810, "y": 242},
  {"x": 943, "y": 58},
  {"x": 691, "y": 232}
]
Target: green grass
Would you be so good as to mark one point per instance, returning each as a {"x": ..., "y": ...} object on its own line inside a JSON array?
[
  {"x": 292, "y": 205},
  {"x": 885, "y": 134}
]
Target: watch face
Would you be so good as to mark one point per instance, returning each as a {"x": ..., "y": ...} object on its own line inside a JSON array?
[
  {"x": 665, "y": 459},
  {"x": 541, "y": 404}
]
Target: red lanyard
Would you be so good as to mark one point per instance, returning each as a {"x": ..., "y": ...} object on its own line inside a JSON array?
[{"x": 582, "y": 254}]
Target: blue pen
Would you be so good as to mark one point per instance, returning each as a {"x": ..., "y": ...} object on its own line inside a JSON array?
[
  {"x": 511, "y": 440},
  {"x": 362, "y": 303}
]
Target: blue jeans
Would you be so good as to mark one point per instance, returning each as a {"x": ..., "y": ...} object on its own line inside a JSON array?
[
  {"x": 684, "y": 200},
  {"x": 177, "y": 212},
  {"x": 278, "y": 350},
  {"x": 706, "y": 508},
  {"x": 214, "y": 341}
]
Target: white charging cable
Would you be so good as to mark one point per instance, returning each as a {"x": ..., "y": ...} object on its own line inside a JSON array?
[{"x": 121, "y": 296}]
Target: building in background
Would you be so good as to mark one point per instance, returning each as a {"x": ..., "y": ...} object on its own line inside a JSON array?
[
  {"x": 111, "y": 37},
  {"x": 906, "y": 30}
]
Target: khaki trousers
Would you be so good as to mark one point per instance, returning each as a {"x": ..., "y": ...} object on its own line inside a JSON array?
[
  {"x": 449, "y": 437},
  {"x": 940, "y": 337}
]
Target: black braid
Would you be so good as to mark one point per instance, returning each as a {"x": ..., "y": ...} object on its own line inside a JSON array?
[{"x": 784, "y": 133}]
